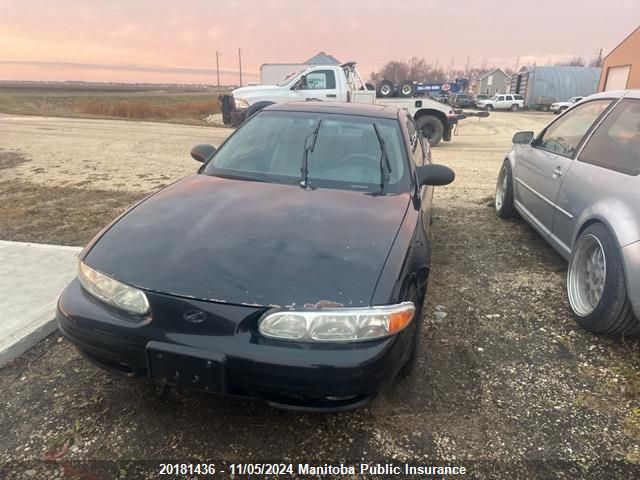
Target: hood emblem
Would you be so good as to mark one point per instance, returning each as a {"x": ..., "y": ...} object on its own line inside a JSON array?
[{"x": 194, "y": 316}]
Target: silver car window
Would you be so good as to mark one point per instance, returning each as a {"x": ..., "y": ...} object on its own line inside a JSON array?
[
  {"x": 616, "y": 142},
  {"x": 564, "y": 135}
]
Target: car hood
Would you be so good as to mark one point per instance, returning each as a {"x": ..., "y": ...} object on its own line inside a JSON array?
[
  {"x": 254, "y": 243},
  {"x": 243, "y": 92}
]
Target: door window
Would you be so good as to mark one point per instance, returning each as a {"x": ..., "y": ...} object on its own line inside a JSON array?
[
  {"x": 500, "y": 98},
  {"x": 616, "y": 142},
  {"x": 320, "y": 80},
  {"x": 564, "y": 135},
  {"x": 509, "y": 97}
]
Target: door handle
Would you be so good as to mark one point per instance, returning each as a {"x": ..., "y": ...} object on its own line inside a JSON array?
[
  {"x": 331, "y": 95},
  {"x": 557, "y": 172}
]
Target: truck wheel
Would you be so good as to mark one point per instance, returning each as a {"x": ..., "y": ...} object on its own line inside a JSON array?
[
  {"x": 407, "y": 88},
  {"x": 515, "y": 107},
  {"x": 432, "y": 129},
  {"x": 562, "y": 109},
  {"x": 369, "y": 86},
  {"x": 489, "y": 108},
  {"x": 385, "y": 89},
  {"x": 256, "y": 107},
  {"x": 596, "y": 284}
]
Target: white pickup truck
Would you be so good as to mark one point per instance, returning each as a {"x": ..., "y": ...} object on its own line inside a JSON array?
[{"x": 337, "y": 84}]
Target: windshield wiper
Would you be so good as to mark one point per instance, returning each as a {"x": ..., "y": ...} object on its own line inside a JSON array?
[
  {"x": 304, "y": 169},
  {"x": 385, "y": 165}
]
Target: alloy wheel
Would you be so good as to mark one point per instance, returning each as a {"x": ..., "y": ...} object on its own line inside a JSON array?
[{"x": 587, "y": 275}]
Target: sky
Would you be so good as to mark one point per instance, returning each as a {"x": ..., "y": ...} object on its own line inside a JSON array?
[{"x": 175, "y": 41}]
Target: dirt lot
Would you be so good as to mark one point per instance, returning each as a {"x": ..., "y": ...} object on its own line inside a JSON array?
[{"x": 507, "y": 384}]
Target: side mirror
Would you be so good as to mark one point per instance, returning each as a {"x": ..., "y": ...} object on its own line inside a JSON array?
[
  {"x": 434, "y": 175},
  {"x": 523, "y": 138},
  {"x": 203, "y": 152}
]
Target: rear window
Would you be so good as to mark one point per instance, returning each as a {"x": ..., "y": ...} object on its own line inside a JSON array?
[
  {"x": 615, "y": 144},
  {"x": 518, "y": 97}
]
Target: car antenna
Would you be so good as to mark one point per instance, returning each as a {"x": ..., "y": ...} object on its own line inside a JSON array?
[
  {"x": 305, "y": 157},
  {"x": 385, "y": 165}
]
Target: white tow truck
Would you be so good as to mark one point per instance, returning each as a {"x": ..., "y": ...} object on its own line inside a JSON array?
[{"x": 339, "y": 84}]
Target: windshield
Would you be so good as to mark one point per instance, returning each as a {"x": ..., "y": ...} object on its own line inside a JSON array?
[
  {"x": 346, "y": 153},
  {"x": 288, "y": 78}
]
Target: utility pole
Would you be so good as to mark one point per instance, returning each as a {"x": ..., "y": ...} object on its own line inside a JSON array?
[
  {"x": 218, "y": 68},
  {"x": 240, "y": 64}
]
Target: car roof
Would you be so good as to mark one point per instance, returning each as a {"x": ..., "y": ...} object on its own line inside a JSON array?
[
  {"x": 340, "y": 108},
  {"x": 616, "y": 94}
]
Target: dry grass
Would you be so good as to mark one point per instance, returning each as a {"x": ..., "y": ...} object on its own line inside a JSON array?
[
  {"x": 145, "y": 110},
  {"x": 64, "y": 216},
  {"x": 190, "y": 108}
]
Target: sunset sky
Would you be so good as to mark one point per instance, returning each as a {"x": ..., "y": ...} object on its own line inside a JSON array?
[{"x": 175, "y": 41}]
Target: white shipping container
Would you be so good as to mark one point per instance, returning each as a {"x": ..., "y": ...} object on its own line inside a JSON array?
[{"x": 275, "y": 73}]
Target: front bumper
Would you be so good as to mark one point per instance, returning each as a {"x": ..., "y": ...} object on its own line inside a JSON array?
[{"x": 309, "y": 377}]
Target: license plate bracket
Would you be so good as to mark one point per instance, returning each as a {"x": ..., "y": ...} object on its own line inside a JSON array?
[{"x": 188, "y": 366}]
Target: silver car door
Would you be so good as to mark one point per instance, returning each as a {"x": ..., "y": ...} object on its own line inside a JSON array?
[
  {"x": 541, "y": 167},
  {"x": 605, "y": 174}
]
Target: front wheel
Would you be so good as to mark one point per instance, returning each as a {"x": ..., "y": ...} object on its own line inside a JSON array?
[
  {"x": 596, "y": 284},
  {"x": 489, "y": 108},
  {"x": 432, "y": 129},
  {"x": 504, "y": 192}
]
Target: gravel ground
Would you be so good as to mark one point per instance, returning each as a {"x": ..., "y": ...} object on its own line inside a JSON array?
[{"x": 507, "y": 384}]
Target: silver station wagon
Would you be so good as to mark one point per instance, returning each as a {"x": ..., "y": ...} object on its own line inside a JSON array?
[{"x": 577, "y": 183}]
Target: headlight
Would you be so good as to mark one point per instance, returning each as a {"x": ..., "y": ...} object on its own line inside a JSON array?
[
  {"x": 240, "y": 102},
  {"x": 111, "y": 291},
  {"x": 337, "y": 324}
]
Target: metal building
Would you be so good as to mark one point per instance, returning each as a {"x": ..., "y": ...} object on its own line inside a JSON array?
[
  {"x": 621, "y": 67},
  {"x": 322, "y": 59},
  {"x": 545, "y": 85}
]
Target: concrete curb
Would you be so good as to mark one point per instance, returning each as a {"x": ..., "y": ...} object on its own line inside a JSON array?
[{"x": 32, "y": 276}]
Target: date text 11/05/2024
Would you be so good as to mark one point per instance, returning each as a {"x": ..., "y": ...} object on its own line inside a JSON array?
[{"x": 307, "y": 469}]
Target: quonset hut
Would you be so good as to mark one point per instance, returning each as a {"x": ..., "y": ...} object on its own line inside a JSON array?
[{"x": 541, "y": 86}]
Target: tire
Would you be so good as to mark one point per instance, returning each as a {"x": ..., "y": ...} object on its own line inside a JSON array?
[
  {"x": 255, "y": 108},
  {"x": 370, "y": 86},
  {"x": 432, "y": 129},
  {"x": 407, "y": 89},
  {"x": 562, "y": 109},
  {"x": 385, "y": 89},
  {"x": 545, "y": 108},
  {"x": 596, "y": 284},
  {"x": 515, "y": 107},
  {"x": 489, "y": 108},
  {"x": 412, "y": 362},
  {"x": 504, "y": 192}
]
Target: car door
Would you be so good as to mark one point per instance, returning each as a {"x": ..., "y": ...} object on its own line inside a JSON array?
[
  {"x": 500, "y": 102},
  {"x": 508, "y": 101},
  {"x": 318, "y": 84},
  {"x": 540, "y": 167},
  {"x": 606, "y": 169}
]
